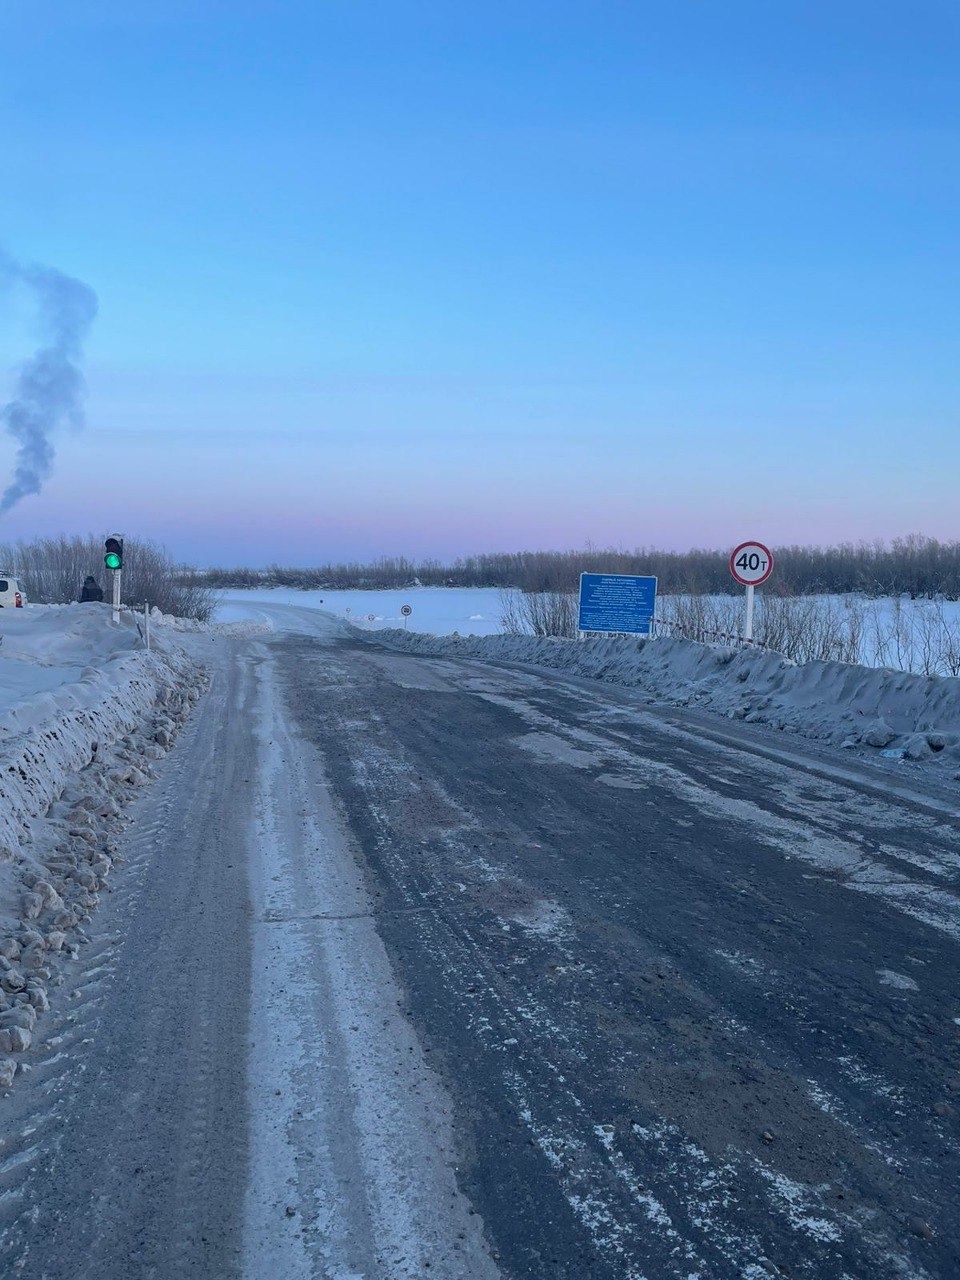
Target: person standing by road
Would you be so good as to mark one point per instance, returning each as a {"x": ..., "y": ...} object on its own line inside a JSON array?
[{"x": 91, "y": 589}]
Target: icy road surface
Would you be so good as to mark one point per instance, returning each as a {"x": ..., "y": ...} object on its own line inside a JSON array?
[{"x": 430, "y": 967}]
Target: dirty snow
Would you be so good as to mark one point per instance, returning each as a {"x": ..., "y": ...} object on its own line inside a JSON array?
[
  {"x": 890, "y": 978},
  {"x": 342, "y": 1095}
]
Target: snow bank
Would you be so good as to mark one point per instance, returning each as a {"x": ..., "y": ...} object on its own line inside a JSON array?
[
  {"x": 85, "y": 711},
  {"x": 847, "y": 705},
  {"x": 244, "y": 627}
]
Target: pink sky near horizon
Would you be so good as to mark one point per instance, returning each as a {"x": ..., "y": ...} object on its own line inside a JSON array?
[
  {"x": 350, "y": 476},
  {"x": 317, "y": 517},
  {"x": 243, "y": 468}
]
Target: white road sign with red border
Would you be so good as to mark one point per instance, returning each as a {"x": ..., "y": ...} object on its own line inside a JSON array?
[
  {"x": 751, "y": 563},
  {"x": 406, "y": 610}
]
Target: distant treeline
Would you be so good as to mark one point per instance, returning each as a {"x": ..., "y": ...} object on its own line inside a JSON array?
[{"x": 915, "y": 566}]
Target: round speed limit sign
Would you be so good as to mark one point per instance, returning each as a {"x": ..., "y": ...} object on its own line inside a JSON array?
[
  {"x": 751, "y": 563},
  {"x": 406, "y": 610}
]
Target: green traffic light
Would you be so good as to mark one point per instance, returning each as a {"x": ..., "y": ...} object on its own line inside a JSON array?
[{"x": 112, "y": 560}]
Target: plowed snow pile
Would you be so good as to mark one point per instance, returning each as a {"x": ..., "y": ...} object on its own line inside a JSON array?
[
  {"x": 84, "y": 710},
  {"x": 850, "y": 706}
]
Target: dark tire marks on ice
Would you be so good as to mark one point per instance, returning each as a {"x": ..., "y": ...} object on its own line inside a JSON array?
[{"x": 697, "y": 1010}]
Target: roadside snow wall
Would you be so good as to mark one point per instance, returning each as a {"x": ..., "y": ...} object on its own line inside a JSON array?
[
  {"x": 846, "y": 705},
  {"x": 48, "y": 734},
  {"x": 51, "y": 737},
  {"x": 84, "y": 713}
]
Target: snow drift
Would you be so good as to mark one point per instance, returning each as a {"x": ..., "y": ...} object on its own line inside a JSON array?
[{"x": 241, "y": 627}]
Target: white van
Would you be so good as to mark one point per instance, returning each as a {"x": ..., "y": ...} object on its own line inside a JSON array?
[{"x": 12, "y": 595}]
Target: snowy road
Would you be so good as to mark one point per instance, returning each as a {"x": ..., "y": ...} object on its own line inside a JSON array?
[{"x": 430, "y": 967}]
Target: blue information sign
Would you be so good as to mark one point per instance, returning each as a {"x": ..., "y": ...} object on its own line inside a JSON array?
[{"x": 619, "y": 602}]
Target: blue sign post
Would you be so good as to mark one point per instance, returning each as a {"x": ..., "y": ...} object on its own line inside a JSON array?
[{"x": 617, "y": 602}]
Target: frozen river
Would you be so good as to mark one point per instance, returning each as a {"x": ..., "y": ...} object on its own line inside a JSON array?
[
  {"x": 908, "y": 635},
  {"x": 439, "y": 611}
]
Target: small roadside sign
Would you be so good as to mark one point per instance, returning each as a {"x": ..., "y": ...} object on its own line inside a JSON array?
[
  {"x": 371, "y": 617},
  {"x": 406, "y": 611},
  {"x": 620, "y": 603},
  {"x": 751, "y": 563}
]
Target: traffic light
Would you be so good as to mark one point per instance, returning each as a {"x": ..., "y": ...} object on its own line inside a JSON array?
[{"x": 113, "y": 552}]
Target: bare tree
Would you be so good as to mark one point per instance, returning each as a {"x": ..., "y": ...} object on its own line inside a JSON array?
[
  {"x": 550, "y": 613},
  {"x": 512, "y": 620},
  {"x": 53, "y": 570}
]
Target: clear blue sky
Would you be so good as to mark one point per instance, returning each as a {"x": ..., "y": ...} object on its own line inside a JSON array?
[{"x": 434, "y": 277}]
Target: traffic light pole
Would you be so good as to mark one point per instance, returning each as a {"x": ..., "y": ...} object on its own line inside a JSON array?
[{"x": 113, "y": 559}]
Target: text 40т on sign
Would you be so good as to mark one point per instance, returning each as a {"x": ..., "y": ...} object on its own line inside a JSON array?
[{"x": 751, "y": 563}]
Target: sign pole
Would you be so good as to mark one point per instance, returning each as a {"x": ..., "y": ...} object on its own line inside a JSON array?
[
  {"x": 116, "y": 597},
  {"x": 751, "y": 564}
]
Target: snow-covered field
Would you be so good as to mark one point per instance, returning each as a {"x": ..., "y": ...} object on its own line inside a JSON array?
[{"x": 438, "y": 611}]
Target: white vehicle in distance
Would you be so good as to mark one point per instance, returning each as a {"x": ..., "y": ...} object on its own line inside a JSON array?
[{"x": 12, "y": 595}]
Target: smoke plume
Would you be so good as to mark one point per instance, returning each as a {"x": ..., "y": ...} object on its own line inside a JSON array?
[{"x": 49, "y": 385}]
